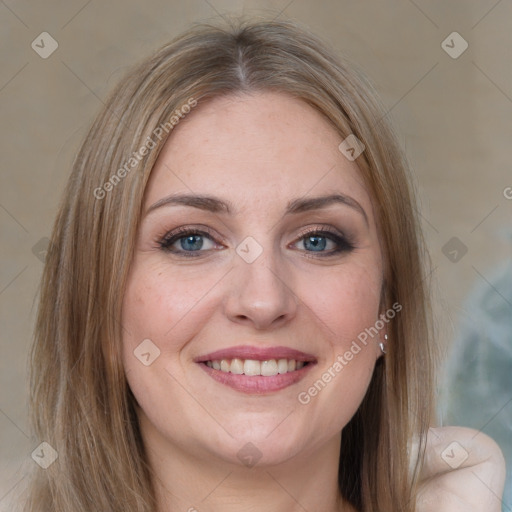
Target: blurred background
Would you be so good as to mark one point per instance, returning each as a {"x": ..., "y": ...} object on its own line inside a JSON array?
[{"x": 442, "y": 69}]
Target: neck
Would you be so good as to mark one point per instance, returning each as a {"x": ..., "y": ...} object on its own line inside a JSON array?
[{"x": 182, "y": 481}]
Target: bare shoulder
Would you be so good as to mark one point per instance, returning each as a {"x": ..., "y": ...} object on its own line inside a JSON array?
[
  {"x": 464, "y": 469},
  {"x": 462, "y": 445}
]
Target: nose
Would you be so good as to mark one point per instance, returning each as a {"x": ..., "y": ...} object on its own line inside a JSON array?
[{"x": 260, "y": 293}]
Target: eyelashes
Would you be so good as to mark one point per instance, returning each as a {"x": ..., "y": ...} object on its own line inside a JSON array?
[
  {"x": 194, "y": 242},
  {"x": 319, "y": 238},
  {"x": 189, "y": 235}
]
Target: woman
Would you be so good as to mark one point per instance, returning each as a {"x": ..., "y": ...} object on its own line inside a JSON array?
[{"x": 234, "y": 314}]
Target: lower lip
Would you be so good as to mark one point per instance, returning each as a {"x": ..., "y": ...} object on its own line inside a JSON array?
[{"x": 257, "y": 384}]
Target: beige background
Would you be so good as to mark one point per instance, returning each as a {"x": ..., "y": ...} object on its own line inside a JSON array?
[{"x": 453, "y": 117}]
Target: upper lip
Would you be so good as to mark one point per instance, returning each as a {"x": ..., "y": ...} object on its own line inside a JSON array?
[{"x": 256, "y": 353}]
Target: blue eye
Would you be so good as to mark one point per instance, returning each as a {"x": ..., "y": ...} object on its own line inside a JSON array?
[
  {"x": 319, "y": 240},
  {"x": 191, "y": 242},
  {"x": 315, "y": 242}
]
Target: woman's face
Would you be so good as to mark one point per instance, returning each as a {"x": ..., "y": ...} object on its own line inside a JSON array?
[{"x": 243, "y": 263}]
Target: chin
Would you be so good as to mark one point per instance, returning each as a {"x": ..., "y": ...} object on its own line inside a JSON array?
[{"x": 249, "y": 453}]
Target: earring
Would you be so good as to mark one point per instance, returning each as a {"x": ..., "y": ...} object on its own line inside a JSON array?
[{"x": 382, "y": 346}]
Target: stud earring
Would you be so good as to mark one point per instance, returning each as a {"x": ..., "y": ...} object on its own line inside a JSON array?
[{"x": 382, "y": 346}]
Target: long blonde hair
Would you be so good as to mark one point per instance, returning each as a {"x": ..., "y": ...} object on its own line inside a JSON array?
[{"x": 80, "y": 401}]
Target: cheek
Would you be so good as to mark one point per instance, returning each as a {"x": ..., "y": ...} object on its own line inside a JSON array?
[
  {"x": 164, "y": 307},
  {"x": 168, "y": 309},
  {"x": 346, "y": 303},
  {"x": 161, "y": 313},
  {"x": 346, "y": 300}
]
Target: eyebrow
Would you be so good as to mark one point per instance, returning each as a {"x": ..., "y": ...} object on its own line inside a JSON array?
[{"x": 215, "y": 205}]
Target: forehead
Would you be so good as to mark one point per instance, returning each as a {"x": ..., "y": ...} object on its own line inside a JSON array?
[{"x": 261, "y": 148}]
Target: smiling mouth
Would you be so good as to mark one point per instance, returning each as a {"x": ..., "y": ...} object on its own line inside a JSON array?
[
  {"x": 253, "y": 367},
  {"x": 257, "y": 370}
]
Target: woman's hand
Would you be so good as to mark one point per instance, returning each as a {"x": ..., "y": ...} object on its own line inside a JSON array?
[{"x": 464, "y": 471}]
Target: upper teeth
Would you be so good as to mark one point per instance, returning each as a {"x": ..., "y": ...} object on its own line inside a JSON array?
[{"x": 253, "y": 367}]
